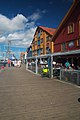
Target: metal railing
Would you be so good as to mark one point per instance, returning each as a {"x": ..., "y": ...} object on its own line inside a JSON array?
[
  {"x": 32, "y": 67},
  {"x": 72, "y": 76}
]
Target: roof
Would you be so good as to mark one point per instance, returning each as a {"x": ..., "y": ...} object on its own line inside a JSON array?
[
  {"x": 48, "y": 30},
  {"x": 69, "y": 13}
]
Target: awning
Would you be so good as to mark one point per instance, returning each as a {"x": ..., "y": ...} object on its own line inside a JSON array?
[{"x": 56, "y": 54}]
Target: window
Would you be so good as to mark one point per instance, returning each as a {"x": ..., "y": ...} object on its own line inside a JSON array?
[
  {"x": 71, "y": 44},
  {"x": 35, "y": 52},
  {"x": 38, "y": 42},
  {"x": 39, "y": 33},
  {"x": 42, "y": 40},
  {"x": 71, "y": 28},
  {"x": 47, "y": 50},
  {"x": 47, "y": 38},
  {"x": 79, "y": 42},
  {"x": 39, "y": 51},
  {"x": 47, "y": 44},
  {"x": 35, "y": 42},
  {"x": 63, "y": 46}
]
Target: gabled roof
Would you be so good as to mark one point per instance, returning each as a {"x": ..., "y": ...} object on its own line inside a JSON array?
[
  {"x": 48, "y": 30},
  {"x": 69, "y": 13}
]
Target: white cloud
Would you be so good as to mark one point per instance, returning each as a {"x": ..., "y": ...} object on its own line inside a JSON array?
[
  {"x": 35, "y": 16},
  {"x": 30, "y": 24},
  {"x": 22, "y": 39},
  {"x": 19, "y": 30},
  {"x": 2, "y": 39},
  {"x": 10, "y": 25}
]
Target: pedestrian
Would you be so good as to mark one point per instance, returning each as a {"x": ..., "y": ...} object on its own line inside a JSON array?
[
  {"x": 19, "y": 63},
  {"x": 9, "y": 62}
]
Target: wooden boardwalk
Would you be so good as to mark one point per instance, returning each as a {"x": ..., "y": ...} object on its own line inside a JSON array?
[{"x": 26, "y": 96}]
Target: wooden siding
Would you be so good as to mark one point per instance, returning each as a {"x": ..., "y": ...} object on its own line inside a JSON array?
[{"x": 63, "y": 35}]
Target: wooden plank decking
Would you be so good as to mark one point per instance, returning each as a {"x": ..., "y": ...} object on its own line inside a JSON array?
[{"x": 26, "y": 96}]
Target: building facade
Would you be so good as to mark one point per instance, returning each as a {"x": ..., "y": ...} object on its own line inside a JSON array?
[
  {"x": 42, "y": 43},
  {"x": 67, "y": 36}
]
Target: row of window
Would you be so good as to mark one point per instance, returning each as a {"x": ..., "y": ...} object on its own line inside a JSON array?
[
  {"x": 41, "y": 41},
  {"x": 38, "y": 52},
  {"x": 70, "y": 44}
]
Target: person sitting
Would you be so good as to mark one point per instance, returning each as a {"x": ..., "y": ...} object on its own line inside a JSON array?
[
  {"x": 45, "y": 71},
  {"x": 67, "y": 64},
  {"x": 73, "y": 66}
]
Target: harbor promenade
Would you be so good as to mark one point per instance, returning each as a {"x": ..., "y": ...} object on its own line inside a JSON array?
[{"x": 27, "y": 96}]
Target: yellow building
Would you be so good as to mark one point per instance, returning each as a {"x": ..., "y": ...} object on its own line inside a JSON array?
[{"x": 42, "y": 43}]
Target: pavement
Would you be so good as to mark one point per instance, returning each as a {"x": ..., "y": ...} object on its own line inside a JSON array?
[{"x": 27, "y": 96}]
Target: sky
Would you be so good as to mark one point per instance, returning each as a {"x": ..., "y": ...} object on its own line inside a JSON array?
[{"x": 20, "y": 18}]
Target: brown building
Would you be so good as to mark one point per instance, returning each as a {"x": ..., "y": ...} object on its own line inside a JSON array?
[{"x": 42, "y": 43}]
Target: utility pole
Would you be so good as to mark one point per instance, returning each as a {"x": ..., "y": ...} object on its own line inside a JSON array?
[{"x": 8, "y": 49}]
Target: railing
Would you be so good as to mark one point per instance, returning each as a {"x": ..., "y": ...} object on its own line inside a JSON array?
[
  {"x": 70, "y": 76},
  {"x": 32, "y": 67}
]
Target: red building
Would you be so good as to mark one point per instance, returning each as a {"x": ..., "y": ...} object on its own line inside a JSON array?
[{"x": 67, "y": 36}]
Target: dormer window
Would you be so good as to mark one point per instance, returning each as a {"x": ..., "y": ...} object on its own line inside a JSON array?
[{"x": 71, "y": 28}]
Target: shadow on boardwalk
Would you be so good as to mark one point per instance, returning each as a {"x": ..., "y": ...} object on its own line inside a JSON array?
[{"x": 26, "y": 96}]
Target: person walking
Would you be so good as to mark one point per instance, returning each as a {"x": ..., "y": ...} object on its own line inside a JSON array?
[{"x": 9, "y": 62}]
